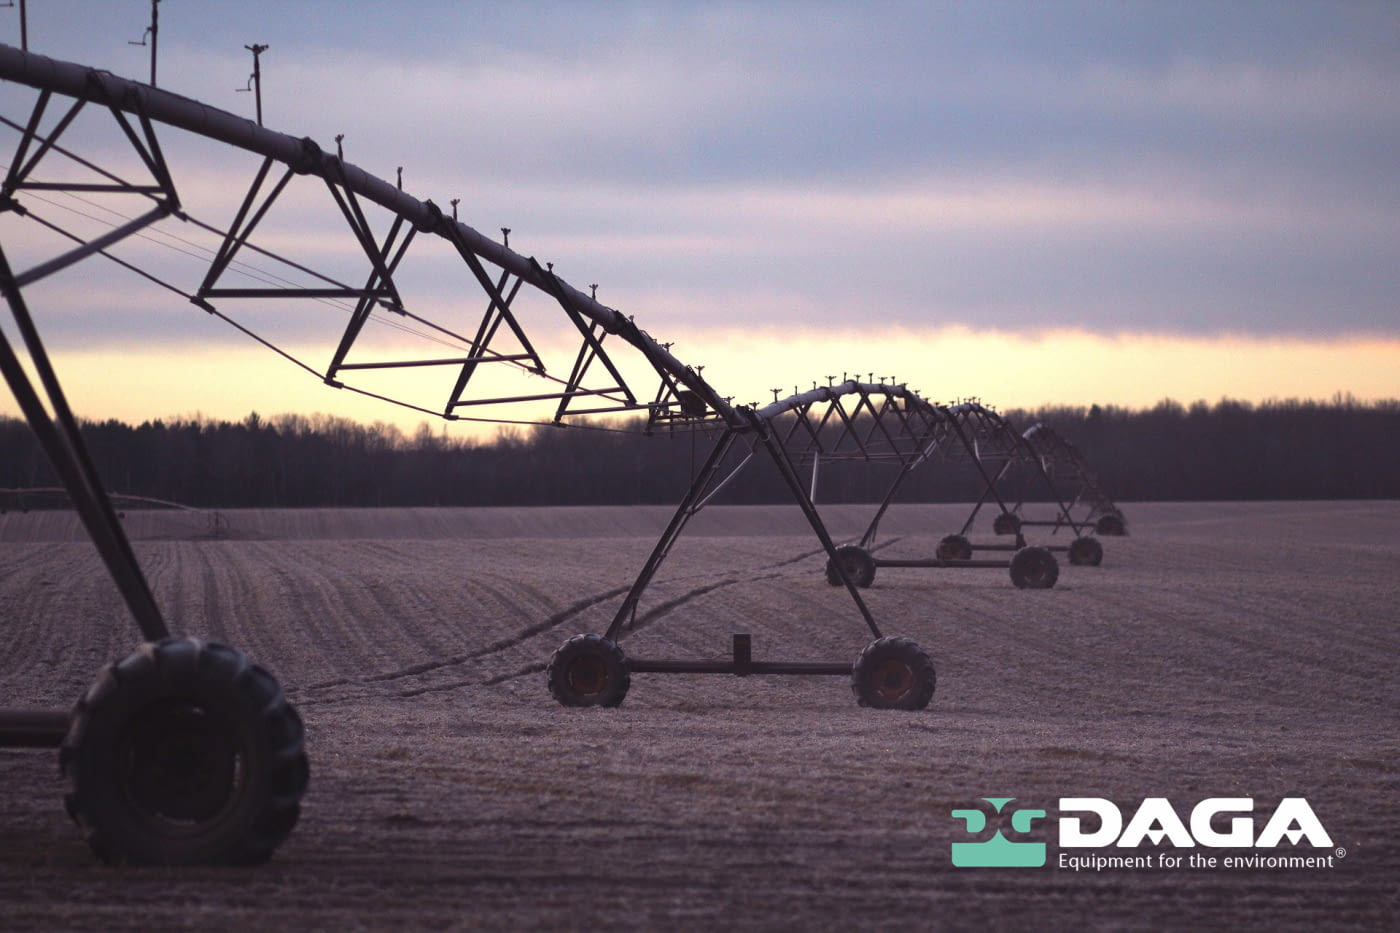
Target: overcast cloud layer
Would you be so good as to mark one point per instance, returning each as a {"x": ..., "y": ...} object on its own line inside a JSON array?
[{"x": 1166, "y": 168}]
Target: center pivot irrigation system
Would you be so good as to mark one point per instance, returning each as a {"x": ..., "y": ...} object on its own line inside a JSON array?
[
  {"x": 188, "y": 752},
  {"x": 1063, "y": 462},
  {"x": 972, "y": 434}
]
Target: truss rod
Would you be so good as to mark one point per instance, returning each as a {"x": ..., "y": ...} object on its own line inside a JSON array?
[
  {"x": 306, "y": 157},
  {"x": 63, "y": 444},
  {"x": 95, "y": 245}
]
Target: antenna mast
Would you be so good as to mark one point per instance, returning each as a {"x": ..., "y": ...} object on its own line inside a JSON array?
[
  {"x": 255, "y": 79},
  {"x": 152, "y": 30},
  {"x": 23, "y": 23}
]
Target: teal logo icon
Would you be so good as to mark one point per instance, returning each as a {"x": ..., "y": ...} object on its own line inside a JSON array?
[{"x": 998, "y": 851}]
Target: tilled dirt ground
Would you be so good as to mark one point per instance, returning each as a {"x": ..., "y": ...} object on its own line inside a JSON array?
[{"x": 1222, "y": 650}]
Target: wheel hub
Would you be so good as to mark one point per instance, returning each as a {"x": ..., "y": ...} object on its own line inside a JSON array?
[
  {"x": 588, "y": 675},
  {"x": 893, "y": 679},
  {"x": 179, "y": 763}
]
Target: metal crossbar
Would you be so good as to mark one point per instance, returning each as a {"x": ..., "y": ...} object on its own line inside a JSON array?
[
  {"x": 852, "y": 420},
  {"x": 839, "y": 423},
  {"x": 1064, "y": 463}
]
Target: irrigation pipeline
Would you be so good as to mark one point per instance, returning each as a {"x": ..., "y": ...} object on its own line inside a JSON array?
[
  {"x": 896, "y": 424},
  {"x": 303, "y": 156}
]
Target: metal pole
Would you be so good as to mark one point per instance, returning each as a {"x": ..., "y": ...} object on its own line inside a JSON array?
[
  {"x": 257, "y": 51},
  {"x": 155, "y": 32},
  {"x": 982, "y": 500},
  {"x": 62, "y": 441},
  {"x": 868, "y": 539},
  {"x": 970, "y": 445},
  {"x": 799, "y": 495},
  {"x": 23, "y": 26},
  {"x": 689, "y": 505}
]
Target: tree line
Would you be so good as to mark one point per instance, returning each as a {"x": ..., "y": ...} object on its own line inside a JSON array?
[{"x": 1227, "y": 451}]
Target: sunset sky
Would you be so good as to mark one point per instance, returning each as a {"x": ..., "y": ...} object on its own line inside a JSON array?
[{"x": 1028, "y": 203}]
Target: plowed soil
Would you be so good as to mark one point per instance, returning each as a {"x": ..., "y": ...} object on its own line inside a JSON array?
[{"x": 1222, "y": 650}]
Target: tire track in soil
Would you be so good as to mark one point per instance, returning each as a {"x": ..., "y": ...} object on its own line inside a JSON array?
[
  {"x": 310, "y": 638},
  {"x": 660, "y": 611},
  {"x": 345, "y": 619},
  {"x": 767, "y": 815},
  {"x": 428, "y": 667},
  {"x": 534, "y": 631},
  {"x": 550, "y": 623},
  {"x": 28, "y": 585},
  {"x": 182, "y": 586},
  {"x": 240, "y": 596},
  {"x": 205, "y": 590},
  {"x": 509, "y": 602},
  {"x": 530, "y": 631},
  {"x": 368, "y": 609},
  {"x": 63, "y": 622},
  {"x": 78, "y": 622},
  {"x": 405, "y": 591},
  {"x": 767, "y": 571},
  {"x": 359, "y": 622}
]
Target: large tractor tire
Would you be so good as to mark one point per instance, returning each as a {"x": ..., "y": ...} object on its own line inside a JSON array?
[
  {"x": 1034, "y": 568},
  {"x": 893, "y": 673},
  {"x": 1006, "y": 523},
  {"x": 1085, "y": 552},
  {"x": 1111, "y": 525},
  {"x": 858, "y": 563},
  {"x": 184, "y": 753},
  {"x": 589, "y": 670},
  {"x": 954, "y": 547}
]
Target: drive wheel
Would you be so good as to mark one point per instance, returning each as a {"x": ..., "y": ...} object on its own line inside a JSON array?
[
  {"x": 1034, "y": 568},
  {"x": 1086, "y": 552},
  {"x": 856, "y": 561},
  {"x": 1111, "y": 525},
  {"x": 589, "y": 670},
  {"x": 184, "y": 753},
  {"x": 954, "y": 547},
  {"x": 893, "y": 673},
  {"x": 1006, "y": 524}
]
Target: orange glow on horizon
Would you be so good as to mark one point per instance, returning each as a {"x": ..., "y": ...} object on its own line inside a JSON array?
[{"x": 136, "y": 384}]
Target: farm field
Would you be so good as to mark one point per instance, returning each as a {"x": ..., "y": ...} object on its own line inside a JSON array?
[{"x": 1222, "y": 650}]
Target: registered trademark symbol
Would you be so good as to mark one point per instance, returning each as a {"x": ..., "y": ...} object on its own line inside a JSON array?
[{"x": 1341, "y": 853}]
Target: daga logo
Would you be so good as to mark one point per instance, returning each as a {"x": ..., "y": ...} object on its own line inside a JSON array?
[
  {"x": 998, "y": 851},
  {"x": 1156, "y": 820},
  {"x": 1093, "y": 822}
]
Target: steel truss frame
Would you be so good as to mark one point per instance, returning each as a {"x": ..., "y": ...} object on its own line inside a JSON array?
[
  {"x": 1063, "y": 460},
  {"x": 887, "y": 421},
  {"x": 708, "y": 482},
  {"x": 681, "y": 398},
  {"x": 997, "y": 442}
]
